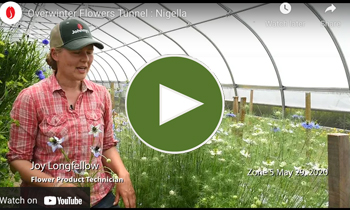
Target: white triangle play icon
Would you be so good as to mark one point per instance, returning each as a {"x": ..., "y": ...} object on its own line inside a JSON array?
[{"x": 173, "y": 104}]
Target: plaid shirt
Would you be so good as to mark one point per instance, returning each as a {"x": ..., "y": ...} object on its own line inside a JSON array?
[{"x": 43, "y": 112}]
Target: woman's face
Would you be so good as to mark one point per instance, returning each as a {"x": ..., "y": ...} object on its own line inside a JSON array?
[{"x": 74, "y": 64}]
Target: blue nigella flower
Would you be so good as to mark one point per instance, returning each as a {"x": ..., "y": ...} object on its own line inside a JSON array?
[
  {"x": 119, "y": 90},
  {"x": 276, "y": 129},
  {"x": 315, "y": 125},
  {"x": 126, "y": 83},
  {"x": 40, "y": 74},
  {"x": 55, "y": 143},
  {"x": 230, "y": 115},
  {"x": 45, "y": 42},
  {"x": 307, "y": 125},
  {"x": 295, "y": 116},
  {"x": 6, "y": 52},
  {"x": 96, "y": 151}
]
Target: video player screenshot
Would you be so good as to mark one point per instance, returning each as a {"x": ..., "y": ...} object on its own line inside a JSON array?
[{"x": 174, "y": 105}]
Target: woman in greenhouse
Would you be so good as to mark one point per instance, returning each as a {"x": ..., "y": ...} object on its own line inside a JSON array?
[{"x": 65, "y": 125}]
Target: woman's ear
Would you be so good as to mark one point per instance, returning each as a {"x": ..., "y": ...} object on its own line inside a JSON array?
[{"x": 54, "y": 53}]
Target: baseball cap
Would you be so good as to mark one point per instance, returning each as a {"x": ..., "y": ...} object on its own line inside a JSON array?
[{"x": 72, "y": 34}]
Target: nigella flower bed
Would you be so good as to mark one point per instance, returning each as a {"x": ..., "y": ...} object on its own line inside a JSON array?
[{"x": 259, "y": 163}]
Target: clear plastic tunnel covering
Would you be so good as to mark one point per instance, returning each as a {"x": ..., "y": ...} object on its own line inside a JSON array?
[{"x": 248, "y": 46}]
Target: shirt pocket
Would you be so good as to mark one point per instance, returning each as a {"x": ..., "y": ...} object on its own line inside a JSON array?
[
  {"x": 95, "y": 125},
  {"x": 54, "y": 125}
]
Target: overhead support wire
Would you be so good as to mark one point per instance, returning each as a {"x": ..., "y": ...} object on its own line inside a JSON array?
[
  {"x": 36, "y": 22},
  {"x": 126, "y": 76},
  {"x": 32, "y": 20},
  {"x": 117, "y": 50},
  {"x": 112, "y": 70},
  {"x": 136, "y": 37},
  {"x": 179, "y": 28},
  {"x": 103, "y": 71},
  {"x": 110, "y": 20},
  {"x": 159, "y": 31},
  {"x": 92, "y": 74},
  {"x": 92, "y": 64}
]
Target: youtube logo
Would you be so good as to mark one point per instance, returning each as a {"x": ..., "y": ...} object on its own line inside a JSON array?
[{"x": 50, "y": 200}]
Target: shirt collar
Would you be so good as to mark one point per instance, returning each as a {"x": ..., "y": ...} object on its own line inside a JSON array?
[
  {"x": 54, "y": 83},
  {"x": 86, "y": 85},
  {"x": 55, "y": 86}
]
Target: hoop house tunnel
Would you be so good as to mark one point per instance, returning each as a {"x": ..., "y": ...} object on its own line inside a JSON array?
[{"x": 295, "y": 60}]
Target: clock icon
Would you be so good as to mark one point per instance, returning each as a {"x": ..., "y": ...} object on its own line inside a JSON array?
[{"x": 285, "y": 8}]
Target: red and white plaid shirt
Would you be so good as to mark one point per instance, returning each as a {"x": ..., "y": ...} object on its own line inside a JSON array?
[{"x": 43, "y": 112}]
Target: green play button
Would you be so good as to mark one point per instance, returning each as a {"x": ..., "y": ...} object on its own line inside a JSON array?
[{"x": 174, "y": 104}]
